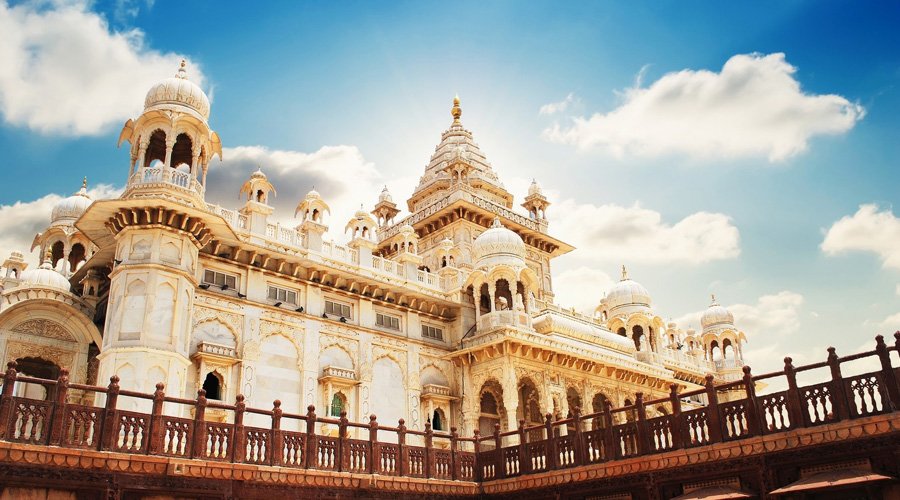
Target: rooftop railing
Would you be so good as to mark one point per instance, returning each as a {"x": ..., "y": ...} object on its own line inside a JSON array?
[
  {"x": 279, "y": 438},
  {"x": 155, "y": 176}
]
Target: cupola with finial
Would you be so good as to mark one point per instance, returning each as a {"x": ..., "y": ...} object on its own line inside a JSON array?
[
  {"x": 257, "y": 210},
  {"x": 171, "y": 142},
  {"x": 385, "y": 210},
  {"x": 311, "y": 210},
  {"x": 536, "y": 204}
]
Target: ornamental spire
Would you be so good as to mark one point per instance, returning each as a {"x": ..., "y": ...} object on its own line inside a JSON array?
[
  {"x": 456, "y": 111},
  {"x": 713, "y": 299},
  {"x": 182, "y": 72},
  {"x": 624, "y": 273}
]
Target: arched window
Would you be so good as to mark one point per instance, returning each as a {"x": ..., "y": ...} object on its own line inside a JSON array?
[
  {"x": 76, "y": 256},
  {"x": 437, "y": 420},
  {"x": 637, "y": 335},
  {"x": 213, "y": 386},
  {"x": 621, "y": 331},
  {"x": 37, "y": 368},
  {"x": 156, "y": 148},
  {"x": 338, "y": 404},
  {"x": 56, "y": 253},
  {"x": 182, "y": 151}
]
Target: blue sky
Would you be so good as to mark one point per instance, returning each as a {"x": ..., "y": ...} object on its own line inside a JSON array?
[{"x": 701, "y": 179}]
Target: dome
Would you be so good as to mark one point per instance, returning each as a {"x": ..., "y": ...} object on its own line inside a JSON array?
[
  {"x": 499, "y": 245},
  {"x": 179, "y": 93},
  {"x": 627, "y": 292},
  {"x": 716, "y": 315},
  {"x": 534, "y": 188},
  {"x": 385, "y": 195},
  {"x": 313, "y": 195},
  {"x": 45, "y": 277},
  {"x": 68, "y": 210},
  {"x": 258, "y": 174}
]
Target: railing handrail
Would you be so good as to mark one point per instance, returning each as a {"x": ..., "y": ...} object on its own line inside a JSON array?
[{"x": 617, "y": 433}]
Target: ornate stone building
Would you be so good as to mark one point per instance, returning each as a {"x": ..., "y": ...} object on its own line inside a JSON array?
[{"x": 446, "y": 315}]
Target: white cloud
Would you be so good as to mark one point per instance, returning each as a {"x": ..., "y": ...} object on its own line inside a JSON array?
[
  {"x": 753, "y": 107},
  {"x": 616, "y": 234},
  {"x": 22, "y": 220},
  {"x": 888, "y": 326},
  {"x": 558, "y": 107},
  {"x": 581, "y": 288},
  {"x": 341, "y": 174},
  {"x": 868, "y": 230},
  {"x": 65, "y": 71}
]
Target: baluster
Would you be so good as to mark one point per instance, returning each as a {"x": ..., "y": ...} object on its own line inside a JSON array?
[
  {"x": 110, "y": 421},
  {"x": 373, "y": 445},
  {"x": 198, "y": 450},
  {"x": 58, "y": 415},
  {"x": 429, "y": 442},
  {"x": 676, "y": 420},
  {"x": 754, "y": 423},
  {"x": 500, "y": 463},
  {"x": 840, "y": 402},
  {"x": 402, "y": 454},
  {"x": 476, "y": 458},
  {"x": 239, "y": 439},
  {"x": 796, "y": 406},
  {"x": 157, "y": 437},
  {"x": 6, "y": 397},
  {"x": 343, "y": 449},
  {"x": 888, "y": 375},
  {"x": 576, "y": 440},
  {"x": 643, "y": 436},
  {"x": 713, "y": 412}
]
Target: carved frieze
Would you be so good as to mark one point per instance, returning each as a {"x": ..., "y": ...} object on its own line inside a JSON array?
[{"x": 44, "y": 328}]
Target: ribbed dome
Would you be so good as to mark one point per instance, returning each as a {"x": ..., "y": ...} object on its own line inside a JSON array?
[
  {"x": 45, "y": 277},
  {"x": 498, "y": 245},
  {"x": 178, "y": 93},
  {"x": 716, "y": 315},
  {"x": 627, "y": 292},
  {"x": 68, "y": 210}
]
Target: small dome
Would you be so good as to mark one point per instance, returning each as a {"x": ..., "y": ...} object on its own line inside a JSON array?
[
  {"x": 407, "y": 229},
  {"x": 258, "y": 174},
  {"x": 68, "y": 210},
  {"x": 499, "y": 245},
  {"x": 45, "y": 277},
  {"x": 534, "y": 188},
  {"x": 385, "y": 195},
  {"x": 627, "y": 292},
  {"x": 177, "y": 92},
  {"x": 716, "y": 315},
  {"x": 313, "y": 195}
]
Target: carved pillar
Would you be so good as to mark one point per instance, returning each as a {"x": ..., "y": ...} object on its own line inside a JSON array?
[{"x": 170, "y": 144}]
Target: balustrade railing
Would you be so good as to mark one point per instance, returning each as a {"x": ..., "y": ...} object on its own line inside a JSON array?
[
  {"x": 164, "y": 175},
  {"x": 336, "y": 444}
]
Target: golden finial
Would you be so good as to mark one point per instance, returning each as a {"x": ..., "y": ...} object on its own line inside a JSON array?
[
  {"x": 456, "y": 111},
  {"x": 624, "y": 273},
  {"x": 713, "y": 298},
  {"x": 84, "y": 183},
  {"x": 182, "y": 70}
]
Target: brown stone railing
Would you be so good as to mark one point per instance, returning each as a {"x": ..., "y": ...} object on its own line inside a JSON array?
[{"x": 308, "y": 441}]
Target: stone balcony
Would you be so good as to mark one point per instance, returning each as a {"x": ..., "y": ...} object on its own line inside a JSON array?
[
  {"x": 156, "y": 179},
  {"x": 498, "y": 319},
  {"x": 338, "y": 374}
]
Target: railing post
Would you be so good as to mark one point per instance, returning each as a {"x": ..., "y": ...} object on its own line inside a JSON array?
[
  {"x": 577, "y": 439},
  {"x": 429, "y": 437},
  {"x": 58, "y": 417},
  {"x": 498, "y": 447},
  {"x": 6, "y": 397},
  {"x": 312, "y": 441},
  {"x": 477, "y": 473},
  {"x": 796, "y": 410},
  {"x": 840, "y": 409},
  {"x": 643, "y": 441},
  {"x": 454, "y": 446},
  {"x": 157, "y": 433},
  {"x": 198, "y": 450},
  {"x": 401, "y": 448},
  {"x": 613, "y": 449},
  {"x": 239, "y": 449},
  {"x": 524, "y": 458},
  {"x": 552, "y": 444},
  {"x": 752, "y": 409},
  {"x": 675, "y": 422},
  {"x": 887, "y": 373},
  {"x": 373, "y": 444},
  {"x": 343, "y": 451},
  {"x": 110, "y": 436},
  {"x": 713, "y": 412}
]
